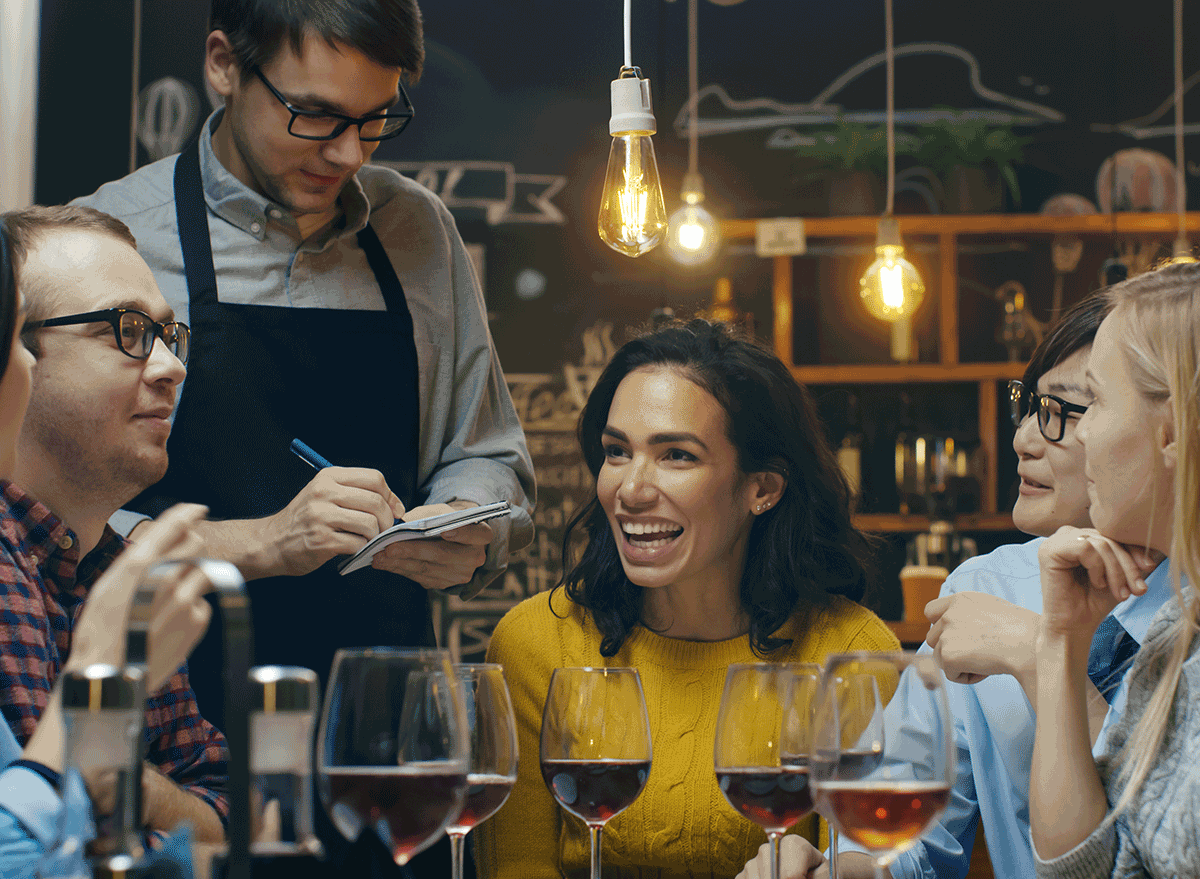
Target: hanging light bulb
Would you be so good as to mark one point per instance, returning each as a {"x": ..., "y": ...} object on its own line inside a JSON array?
[
  {"x": 693, "y": 234},
  {"x": 891, "y": 288},
  {"x": 633, "y": 218}
]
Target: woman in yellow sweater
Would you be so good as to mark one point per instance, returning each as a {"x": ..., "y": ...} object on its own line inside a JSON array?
[{"x": 720, "y": 533}]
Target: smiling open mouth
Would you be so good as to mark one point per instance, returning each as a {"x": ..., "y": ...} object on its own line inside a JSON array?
[{"x": 650, "y": 536}]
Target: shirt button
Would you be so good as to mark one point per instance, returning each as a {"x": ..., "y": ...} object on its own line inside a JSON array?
[
  {"x": 255, "y": 228},
  {"x": 275, "y": 213},
  {"x": 66, "y": 541}
]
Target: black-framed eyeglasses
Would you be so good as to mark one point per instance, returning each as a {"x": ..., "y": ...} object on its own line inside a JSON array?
[
  {"x": 327, "y": 125},
  {"x": 1052, "y": 411},
  {"x": 135, "y": 330}
]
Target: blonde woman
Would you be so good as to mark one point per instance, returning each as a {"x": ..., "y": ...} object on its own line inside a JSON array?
[{"x": 1133, "y": 811}]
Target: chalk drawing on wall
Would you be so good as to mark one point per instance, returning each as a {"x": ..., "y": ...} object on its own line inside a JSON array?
[
  {"x": 784, "y": 119},
  {"x": 167, "y": 110},
  {"x": 1143, "y": 127},
  {"x": 495, "y": 188}
]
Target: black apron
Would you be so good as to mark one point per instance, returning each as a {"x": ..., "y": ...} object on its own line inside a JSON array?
[{"x": 343, "y": 381}]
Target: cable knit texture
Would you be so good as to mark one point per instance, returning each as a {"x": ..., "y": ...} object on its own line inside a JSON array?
[
  {"x": 1159, "y": 834},
  {"x": 681, "y": 825}
]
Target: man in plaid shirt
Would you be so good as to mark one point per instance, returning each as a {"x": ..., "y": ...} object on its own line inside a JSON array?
[{"x": 109, "y": 363}]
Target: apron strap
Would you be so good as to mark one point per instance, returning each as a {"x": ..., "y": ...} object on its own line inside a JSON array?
[
  {"x": 389, "y": 283},
  {"x": 191, "y": 213}
]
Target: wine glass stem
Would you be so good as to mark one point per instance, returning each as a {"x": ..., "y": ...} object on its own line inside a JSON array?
[
  {"x": 456, "y": 854},
  {"x": 774, "y": 837},
  {"x": 833, "y": 852},
  {"x": 595, "y": 832}
]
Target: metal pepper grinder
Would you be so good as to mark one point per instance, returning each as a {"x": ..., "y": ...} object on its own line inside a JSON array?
[
  {"x": 283, "y": 714},
  {"x": 103, "y": 712}
]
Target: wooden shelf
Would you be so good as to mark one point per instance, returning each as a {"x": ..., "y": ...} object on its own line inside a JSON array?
[
  {"x": 984, "y": 224},
  {"x": 896, "y": 523},
  {"x": 906, "y": 373}
]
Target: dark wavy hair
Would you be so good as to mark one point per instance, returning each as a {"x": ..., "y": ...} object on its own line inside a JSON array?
[
  {"x": 1076, "y": 329},
  {"x": 799, "y": 553},
  {"x": 389, "y": 32}
]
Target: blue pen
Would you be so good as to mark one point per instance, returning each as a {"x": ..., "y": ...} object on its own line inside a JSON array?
[
  {"x": 308, "y": 456},
  {"x": 305, "y": 453}
]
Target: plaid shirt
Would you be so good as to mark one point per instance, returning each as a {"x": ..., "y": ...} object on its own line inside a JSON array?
[{"x": 43, "y": 583}]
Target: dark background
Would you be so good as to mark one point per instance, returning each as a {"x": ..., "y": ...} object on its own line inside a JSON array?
[{"x": 526, "y": 82}]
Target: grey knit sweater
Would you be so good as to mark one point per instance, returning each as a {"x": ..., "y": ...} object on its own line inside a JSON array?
[{"x": 1159, "y": 834}]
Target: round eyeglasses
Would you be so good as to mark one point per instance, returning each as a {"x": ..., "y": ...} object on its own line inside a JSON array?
[
  {"x": 1052, "y": 411},
  {"x": 328, "y": 125},
  {"x": 135, "y": 331}
]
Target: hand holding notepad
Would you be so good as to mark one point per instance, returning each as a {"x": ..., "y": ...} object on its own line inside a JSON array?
[{"x": 417, "y": 529}]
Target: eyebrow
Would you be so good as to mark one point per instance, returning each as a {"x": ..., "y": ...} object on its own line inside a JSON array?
[
  {"x": 135, "y": 305},
  {"x": 306, "y": 101},
  {"x": 1060, "y": 388},
  {"x": 658, "y": 439}
]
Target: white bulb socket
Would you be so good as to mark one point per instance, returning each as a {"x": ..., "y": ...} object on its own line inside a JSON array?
[{"x": 631, "y": 109}]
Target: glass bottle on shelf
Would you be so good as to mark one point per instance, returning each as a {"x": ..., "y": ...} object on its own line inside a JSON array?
[{"x": 849, "y": 454}]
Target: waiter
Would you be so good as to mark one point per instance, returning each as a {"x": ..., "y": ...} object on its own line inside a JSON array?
[{"x": 333, "y": 302}]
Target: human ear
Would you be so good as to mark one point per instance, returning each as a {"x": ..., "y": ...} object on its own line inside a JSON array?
[
  {"x": 767, "y": 488},
  {"x": 1165, "y": 436},
  {"x": 221, "y": 67}
]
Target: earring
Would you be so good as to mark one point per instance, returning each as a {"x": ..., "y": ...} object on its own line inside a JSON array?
[{"x": 758, "y": 509}]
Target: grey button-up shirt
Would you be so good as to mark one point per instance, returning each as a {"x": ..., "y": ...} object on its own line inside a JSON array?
[{"x": 471, "y": 443}]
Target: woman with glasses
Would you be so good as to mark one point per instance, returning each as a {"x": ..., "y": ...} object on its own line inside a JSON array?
[
  {"x": 1132, "y": 810},
  {"x": 985, "y": 624},
  {"x": 36, "y": 838}
]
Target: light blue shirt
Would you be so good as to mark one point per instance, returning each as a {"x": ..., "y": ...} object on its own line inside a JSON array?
[
  {"x": 471, "y": 446},
  {"x": 32, "y": 820},
  {"x": 993, "y": 730}
]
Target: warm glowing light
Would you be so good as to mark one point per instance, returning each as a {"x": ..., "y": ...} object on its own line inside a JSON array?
[
  {"x": 891, "y": 288},
  {"x": 632, "y": 214},
  {"x": 694, "y": 235}
]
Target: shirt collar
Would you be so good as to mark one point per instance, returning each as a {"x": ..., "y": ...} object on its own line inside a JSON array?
[
  {"x": 34, "y": 530},
  {"x": 232, "y": 200},
  {"x": 1135, "y": 613}
]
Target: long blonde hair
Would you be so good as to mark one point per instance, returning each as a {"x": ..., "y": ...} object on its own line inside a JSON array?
[{"x": 1157, "y": 318}]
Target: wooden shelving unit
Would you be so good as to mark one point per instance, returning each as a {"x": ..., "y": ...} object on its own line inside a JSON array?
[{"x": 947, "y": 229}]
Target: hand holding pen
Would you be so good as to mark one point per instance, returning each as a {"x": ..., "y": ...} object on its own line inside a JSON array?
[
  {"x": 448, "y": 560},
  {"x": 335, "y": 514}
]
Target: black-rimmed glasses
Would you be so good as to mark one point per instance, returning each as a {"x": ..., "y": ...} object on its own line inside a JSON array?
[
  {"x": 1052, "y": 411},
  {"x": 327, "y": 125},
  {"x": 135, "y": 330}
]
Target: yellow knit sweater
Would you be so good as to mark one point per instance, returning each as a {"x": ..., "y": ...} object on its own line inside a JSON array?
[{"x": 681, "y": 825}]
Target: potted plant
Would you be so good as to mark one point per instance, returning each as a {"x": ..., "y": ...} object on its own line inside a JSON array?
[
  {"x": 975, "y": 158},
  {"x": 850, "y": 159}
]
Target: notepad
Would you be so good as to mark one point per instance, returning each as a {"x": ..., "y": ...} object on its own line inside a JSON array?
[{"x": 430, "y": 526}]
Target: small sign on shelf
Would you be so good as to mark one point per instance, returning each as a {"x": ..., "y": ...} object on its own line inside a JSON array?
[{"x": 780, "y": 236}]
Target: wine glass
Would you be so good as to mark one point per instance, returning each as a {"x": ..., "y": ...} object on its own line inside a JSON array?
[
  {"x": 493, "y": 766},
  {"x": 394, "y": 748},
  {"x": 762, "y": 744},
  {"x": 595, "y": 747},
  {"x": 876, "y": 786},
  {"x": 862, "y": 748}
]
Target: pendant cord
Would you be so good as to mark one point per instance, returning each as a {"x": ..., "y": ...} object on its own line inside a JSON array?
[
  {"x": 1180, "y": 166},
  {"x": 891, "y": 106},
  {"x": 628, "y": 33},
  {"x": 693, "y": 86}
]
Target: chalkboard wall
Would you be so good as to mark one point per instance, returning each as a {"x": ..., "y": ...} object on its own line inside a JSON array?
[{"x": 511, "y": 130}]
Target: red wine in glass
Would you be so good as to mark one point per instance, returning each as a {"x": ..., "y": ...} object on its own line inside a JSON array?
[
  {"x": 889, "y": 815},
  {"x": 774, "y": 799},
  {"x": 414, "y": 803},
  {"x": 485, "y": 795},
  {"x": 595, "y": 790},
  {"x": 493, "y": 761},
  {"x": 595, "y": 747}
]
